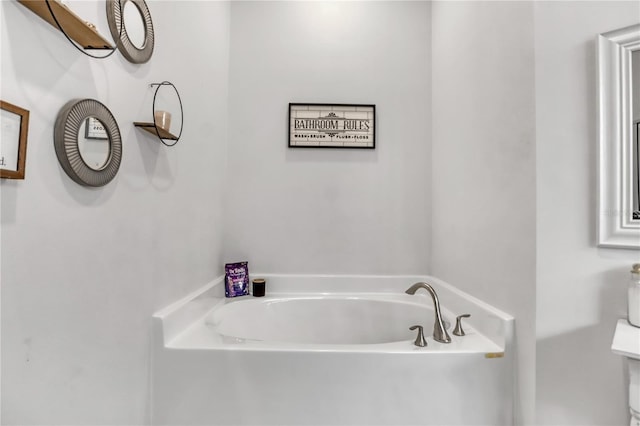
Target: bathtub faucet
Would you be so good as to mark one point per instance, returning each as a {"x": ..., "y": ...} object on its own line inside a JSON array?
[{"x": 439, "y": 331}]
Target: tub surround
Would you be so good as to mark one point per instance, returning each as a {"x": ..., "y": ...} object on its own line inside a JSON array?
[{"x": 202, "y": 377}]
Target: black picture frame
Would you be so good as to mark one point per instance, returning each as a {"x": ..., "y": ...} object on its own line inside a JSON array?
[
  {"x": 94, "y": 129},
  {"x": 324, "y": 125}
]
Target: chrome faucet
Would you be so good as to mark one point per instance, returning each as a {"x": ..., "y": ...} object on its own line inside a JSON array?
[{"x": 439, "y": 331}]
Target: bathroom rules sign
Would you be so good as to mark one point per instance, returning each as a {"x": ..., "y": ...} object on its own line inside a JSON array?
[{"x": 332, "y": 126}]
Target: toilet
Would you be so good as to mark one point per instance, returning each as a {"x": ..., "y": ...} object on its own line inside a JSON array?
[
  {"x": 626, "y": 342},
  {"x": 634, "y": 390}
]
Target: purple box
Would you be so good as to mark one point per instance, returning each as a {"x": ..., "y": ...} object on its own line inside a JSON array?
[{"x": 236, "y": 281}]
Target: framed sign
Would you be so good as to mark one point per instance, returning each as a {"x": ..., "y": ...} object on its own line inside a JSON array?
[
  {"x": 332, "y": 126},
  {"x": 14, "y": 126},
  {"x": 94, "y": 129}
]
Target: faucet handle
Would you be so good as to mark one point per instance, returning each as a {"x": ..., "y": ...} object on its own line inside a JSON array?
[
  {"x": 458, "y": 331},
  {"x": 420, "y": 341}
]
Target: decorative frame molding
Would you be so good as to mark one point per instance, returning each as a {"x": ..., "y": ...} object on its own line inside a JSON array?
[
  {"x": 68, "y": 124},
  {"x": 616, "y": 226},
  {"x": 21, "y": 142}
]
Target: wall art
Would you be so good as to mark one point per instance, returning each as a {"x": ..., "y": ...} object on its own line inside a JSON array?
[
  {"x": 14, "y": 125},
  {"x": 332, "y": 126}
]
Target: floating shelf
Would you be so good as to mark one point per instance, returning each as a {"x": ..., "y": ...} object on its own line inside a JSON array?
[
  {"x": 74, "y": 26},
  {"x": 157, "y": 131},
  {"x": 151, "y": 128}
]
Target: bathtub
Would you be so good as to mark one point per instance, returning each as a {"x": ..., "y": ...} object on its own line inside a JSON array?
[
  {"x": 319, "y": 322},
  {"x": 327, "y": 350}
]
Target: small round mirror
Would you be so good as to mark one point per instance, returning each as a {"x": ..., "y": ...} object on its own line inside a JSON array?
[
  {"x": 87, "y": 141},
  {"x": 134, "y": 24},
  {"x": 131, "y": 26},
  {"x": 93, "y": 143}
]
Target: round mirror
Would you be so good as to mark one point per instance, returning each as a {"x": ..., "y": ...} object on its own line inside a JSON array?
[
  {"x": 93, "y": 143},
  {"x": 130, "y": 25},
  {"x": 134, "y": 24},
  {"x": 87, "y": 142}
]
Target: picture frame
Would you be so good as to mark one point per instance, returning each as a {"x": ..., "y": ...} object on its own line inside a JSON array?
[
  {"x": 14, "y": 129},
  {"x": 321, "y": 125},
  {"x": 94, "y": 129}
]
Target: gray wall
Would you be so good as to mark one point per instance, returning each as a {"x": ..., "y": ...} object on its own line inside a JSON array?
[
  {"x": 84, "y": 269},
  {"x": 581, "y": 289},
  {"x": 329, "y": 210},
  {"x": 497, "y": 197},
  {"x": 483, "y": 203}
]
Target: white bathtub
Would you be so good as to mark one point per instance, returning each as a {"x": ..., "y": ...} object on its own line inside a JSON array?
[
  {"x": 330, "y": 351},
  {"x": 322, "y": 321}
]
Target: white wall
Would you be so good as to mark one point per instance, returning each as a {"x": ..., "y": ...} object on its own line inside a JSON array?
[
  {"x": 483, "y": 204},
  {"x": 329, "y": 210},
  {"x": 84, "y": 269},
  {"x": 459, "y": 202},
  {"x": 580, "y": 289}
]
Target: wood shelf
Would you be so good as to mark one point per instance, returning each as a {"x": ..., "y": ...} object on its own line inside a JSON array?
[
  {"x": 149, "y": 127},
  {"x": 74, "y": 26}
]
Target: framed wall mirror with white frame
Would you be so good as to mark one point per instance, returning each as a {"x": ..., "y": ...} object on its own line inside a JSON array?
[{"x": 618, "y": 217}]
